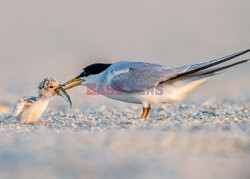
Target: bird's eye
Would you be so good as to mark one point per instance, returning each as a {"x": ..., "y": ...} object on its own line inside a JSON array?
[{"x": 51, "y": 87}]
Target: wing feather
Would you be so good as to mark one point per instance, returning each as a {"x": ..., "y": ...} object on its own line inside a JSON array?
[
  {"x": 19, "y": 107},
  {"x": 22, "y": 103},
  {"x": 134, "y": 77}
]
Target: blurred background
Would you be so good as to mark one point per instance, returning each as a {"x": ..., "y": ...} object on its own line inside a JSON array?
[{"x": 59, "y": 37}]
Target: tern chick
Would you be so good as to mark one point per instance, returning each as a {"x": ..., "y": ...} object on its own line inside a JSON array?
[{"x": 28, "y": 109}]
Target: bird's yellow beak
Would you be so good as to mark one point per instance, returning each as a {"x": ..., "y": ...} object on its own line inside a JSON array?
[{"x": 73, "y": 83}]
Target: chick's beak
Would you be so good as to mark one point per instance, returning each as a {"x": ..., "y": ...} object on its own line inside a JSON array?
[{"x": 72, "y": 83}]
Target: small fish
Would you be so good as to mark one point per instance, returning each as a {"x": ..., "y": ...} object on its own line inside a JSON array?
[{"x": 65, "y": 96}]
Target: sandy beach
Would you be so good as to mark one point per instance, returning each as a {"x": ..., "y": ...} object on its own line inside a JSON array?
[{"x": 206, "y": 139}]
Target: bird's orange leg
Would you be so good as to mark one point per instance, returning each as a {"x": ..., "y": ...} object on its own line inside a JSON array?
[
  {"x": 143, "y": 112},
  {"x": 148, "y": 111}
]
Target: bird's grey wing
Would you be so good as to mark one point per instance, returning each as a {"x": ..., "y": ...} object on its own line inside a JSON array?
[
  {"x": 131, "y": 77},
  {"x": 22, "y": 103},
  {"x": 137, "y": 76}
]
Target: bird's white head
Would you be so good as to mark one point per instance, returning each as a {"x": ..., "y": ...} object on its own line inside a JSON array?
[
  {"x": 87, "y": 75},
  {"x": 49, "y": 87}
]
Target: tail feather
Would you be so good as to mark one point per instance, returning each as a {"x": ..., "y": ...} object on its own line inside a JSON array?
[
  {"x": 186, "y": 84},
  {"x": 213, "y": 71},
  {"x": 219, "y": 60},
  {"x": 205, "y": 65},
  {"x": 196, "y": 74}
]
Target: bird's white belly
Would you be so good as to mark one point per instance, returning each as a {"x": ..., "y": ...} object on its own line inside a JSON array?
[
  {"x": 33, "y": 112},
  {"x": 129, "y": 98},
  {"x": 152, "y": 97},
  {"x": 169, "y": 93},
  {"x": 166, "y": 94},
  {"x": 113, "y": 94}
]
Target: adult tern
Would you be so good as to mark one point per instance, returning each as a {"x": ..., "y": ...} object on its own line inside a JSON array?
[{"x": 147, "y": 83}]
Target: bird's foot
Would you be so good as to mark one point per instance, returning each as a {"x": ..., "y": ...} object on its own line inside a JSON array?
[{"x": 37, "y": 122}]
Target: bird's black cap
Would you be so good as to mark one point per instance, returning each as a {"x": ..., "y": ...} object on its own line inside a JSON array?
[{"x": 93, "y": 69}]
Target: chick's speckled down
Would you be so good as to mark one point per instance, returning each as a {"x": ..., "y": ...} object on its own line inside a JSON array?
[{"x": 29, "y": 109}]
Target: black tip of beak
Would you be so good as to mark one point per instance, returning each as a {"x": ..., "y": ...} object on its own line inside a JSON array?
[{"x": 79, "y": 76}]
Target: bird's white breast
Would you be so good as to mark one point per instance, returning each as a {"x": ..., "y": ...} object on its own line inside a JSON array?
[{"x": 34, "y": 111}]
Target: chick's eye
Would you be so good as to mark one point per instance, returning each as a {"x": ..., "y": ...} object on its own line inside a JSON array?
[{"x": 51, "y": 87}]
